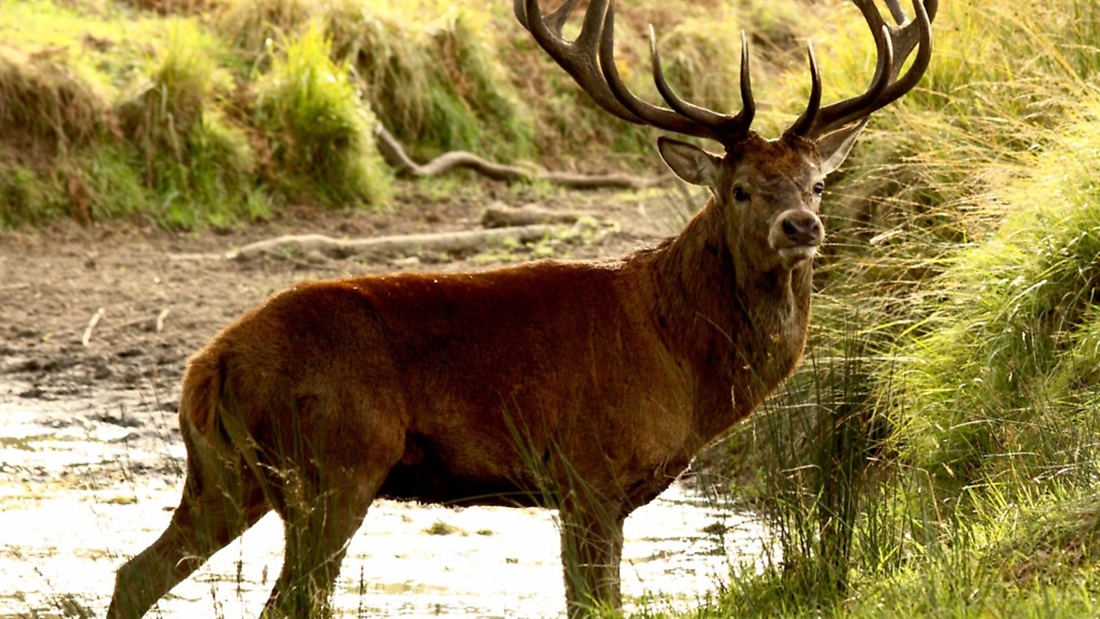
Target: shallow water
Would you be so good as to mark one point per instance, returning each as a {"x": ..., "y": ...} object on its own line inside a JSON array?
[{"x": 84, "y": 484}]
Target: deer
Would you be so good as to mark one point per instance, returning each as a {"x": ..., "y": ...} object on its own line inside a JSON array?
[{"x": 584, "y": 387}]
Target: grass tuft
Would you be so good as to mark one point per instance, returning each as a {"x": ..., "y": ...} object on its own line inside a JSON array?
[
  {"x": 256, "y": 26},
  {"x": 318, "y": 131},
  {"x": 1009, "y": 347},
  {"x": 46, "y": 107},
  {"x": 197, "y": 165},
  {"x": 435, "y": 77}
]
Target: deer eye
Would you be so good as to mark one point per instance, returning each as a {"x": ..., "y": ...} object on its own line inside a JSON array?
[
  {"x": 819, "y": 188},
  {"x": 740, "y": 194}
]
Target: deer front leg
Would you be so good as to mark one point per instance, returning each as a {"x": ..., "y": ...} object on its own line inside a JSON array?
[{"x": 591, "y": 548}]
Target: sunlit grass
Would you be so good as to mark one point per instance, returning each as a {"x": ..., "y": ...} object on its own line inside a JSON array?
[
  {"x": 1011, "y": 347},
  {"x": 965, "y": 263},
  {"x": 318, "y": 130}
]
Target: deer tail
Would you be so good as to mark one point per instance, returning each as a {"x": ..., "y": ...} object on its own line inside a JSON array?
[
  {"x": 210, "y": 406},
  {"x": 199, "y": 400}
]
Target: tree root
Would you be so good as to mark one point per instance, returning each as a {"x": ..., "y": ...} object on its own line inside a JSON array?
[
  {"x": 500, "y": 216},
  {"x": 395, "y": 155},
  {"x": 411, "y": 244}
]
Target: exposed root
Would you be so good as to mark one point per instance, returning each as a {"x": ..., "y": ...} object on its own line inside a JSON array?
[
  {"x": 500, "y": 216},
  {"x": 396, "y": 156},
  {"x": 411, "y": 244}
]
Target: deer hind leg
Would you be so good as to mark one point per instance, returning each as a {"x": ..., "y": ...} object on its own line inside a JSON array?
[
  {"x": 322, "y": 505},
  {"x": 318, "y": 527},
  {"x": 221, "y": 499},
  {"x": 592, "y": 545}
]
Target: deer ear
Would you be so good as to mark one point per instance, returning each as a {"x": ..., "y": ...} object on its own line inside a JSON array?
[
  {"x": 691, "y": 163},
  {"x": 834, "y": 148}
]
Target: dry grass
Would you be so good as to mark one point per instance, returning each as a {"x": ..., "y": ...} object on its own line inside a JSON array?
[{"x": 46, "y": 107}]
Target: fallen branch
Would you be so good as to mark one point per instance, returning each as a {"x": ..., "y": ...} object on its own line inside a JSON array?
[
  {"x": 499, "y": 216},
  {"x": 159, "y": 325},
  {"x": 395, "y": 155},
  {"x": 312, "y": 262},
  {"x": 145, "y": 323},
  {"x": 96, "y": 317},
  {"x": 450, "y": 242}
]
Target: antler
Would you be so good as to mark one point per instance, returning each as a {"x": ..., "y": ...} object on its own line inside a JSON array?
[
  {"x": 590, "y": 60},
  {"x": 894, "y": 44}
]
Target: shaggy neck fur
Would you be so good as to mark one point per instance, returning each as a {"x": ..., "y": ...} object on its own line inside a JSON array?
[{"x": 741, "y": 330}]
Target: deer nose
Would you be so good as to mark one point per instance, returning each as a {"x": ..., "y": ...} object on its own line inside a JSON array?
[{"x": 802, "y": 228}]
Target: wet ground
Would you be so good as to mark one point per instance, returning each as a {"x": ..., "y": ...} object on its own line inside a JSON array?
[
  {"x": 90, "y": 456},
  {"x": 81, "y": 490}
]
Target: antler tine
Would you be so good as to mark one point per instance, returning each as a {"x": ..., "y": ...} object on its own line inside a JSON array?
[
  {"x": 578, "y": 58},
  {"x": 804, "y": 124},
  {"x": 650, "y": 114},
  {"x": 727, "y": 129},
  {"x": 558, "y": 18},
  {"x": 894, "y": 44},
  {"x": 555, "y": 21},
  {"x": 895, "y": 10},
  {"x": 683, "y": 118},
  {"x": 590, "y": 60},
  {"x": 903, "y": 36},
  {"x": 808, "y": 123}
]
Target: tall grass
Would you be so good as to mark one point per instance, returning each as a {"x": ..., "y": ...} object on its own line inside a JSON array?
[
  {"x": 965, "y": 235},
  {"x": 435, "y": 75},
  {"x": 319, "y": 133},
  {"x": 999, "y": 78},
  {"x": 48, "y": 110},
  {"x": 1011, "y": 346},
  {"x": 196, "y": 162}
]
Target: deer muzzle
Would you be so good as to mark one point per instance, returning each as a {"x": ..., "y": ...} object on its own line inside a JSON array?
[{"x": 795, "y": 236}]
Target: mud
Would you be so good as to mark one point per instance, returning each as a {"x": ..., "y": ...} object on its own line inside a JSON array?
[{"x": 90, "y": 455}]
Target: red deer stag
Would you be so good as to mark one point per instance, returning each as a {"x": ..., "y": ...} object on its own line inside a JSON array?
[{"x": 585, "y": 387}]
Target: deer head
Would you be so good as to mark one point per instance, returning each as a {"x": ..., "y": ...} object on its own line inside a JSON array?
[{"x": 768, "y": 191}]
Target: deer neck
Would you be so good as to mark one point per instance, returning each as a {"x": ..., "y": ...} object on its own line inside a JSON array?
[{"x": 743, "y": 331}]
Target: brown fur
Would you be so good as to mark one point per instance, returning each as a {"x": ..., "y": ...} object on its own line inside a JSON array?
[{"x": 586, "y": 387}]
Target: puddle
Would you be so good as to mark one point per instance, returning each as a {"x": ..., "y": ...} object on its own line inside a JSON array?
[{"x": 86, "y": 484}]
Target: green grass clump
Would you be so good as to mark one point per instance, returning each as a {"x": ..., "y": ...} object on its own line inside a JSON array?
[
  {"x": 27, "y": 197},
  {"x": 169, "y": 106},
  {"x": 49, "y": 110},
  {"x": 999, "y": 78},
  {"x": 1039, "y": 557},
  {"x": 196, "y": 163},
  {"x": 434, "y": 76},
  {"x": 114, "y": 179},
  {"x": 255, "y": 26},
  {"x": 317, "y": 129},
  {"x": 74, "y": 81},
  {"x": 1035, "y": 558},
  {"x": 429, "y": 70},
  {"x": 1013, "y": 345}
]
